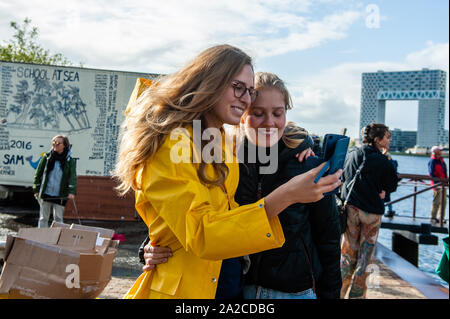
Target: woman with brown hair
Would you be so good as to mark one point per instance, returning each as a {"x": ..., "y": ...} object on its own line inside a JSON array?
[
  {"x": 55, "y": 180},
  {"x": 188, "y": 204},
  {"x": 365, "y": 205}
]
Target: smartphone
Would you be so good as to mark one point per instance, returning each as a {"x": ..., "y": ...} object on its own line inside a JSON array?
[
  {"x": 335, "y": 152},
  {"x": 329, "y": 144}
]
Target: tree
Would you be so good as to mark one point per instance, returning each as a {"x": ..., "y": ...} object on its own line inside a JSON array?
[{"x": 23, "y": 47}]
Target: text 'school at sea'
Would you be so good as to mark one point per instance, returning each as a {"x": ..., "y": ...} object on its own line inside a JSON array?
[{"x": 58, "y": 74}]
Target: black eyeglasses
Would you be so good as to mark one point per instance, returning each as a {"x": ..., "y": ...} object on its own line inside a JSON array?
[{"x": 240, "y": 89}]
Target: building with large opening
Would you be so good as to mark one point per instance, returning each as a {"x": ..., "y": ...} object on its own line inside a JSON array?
[{"x": 426, "y": 86}]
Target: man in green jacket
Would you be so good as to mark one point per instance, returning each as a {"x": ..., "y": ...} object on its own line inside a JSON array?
[{"x": 55, "y": 180}]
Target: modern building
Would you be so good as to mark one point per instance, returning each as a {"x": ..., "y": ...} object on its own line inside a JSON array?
[
  {"x": 426, "y": 86},
  {"x": 402, "y": 140},
  {"x": 446, "y": 138}
]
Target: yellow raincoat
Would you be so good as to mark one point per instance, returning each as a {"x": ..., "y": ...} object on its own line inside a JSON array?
[{"x": 201, "y": 225}]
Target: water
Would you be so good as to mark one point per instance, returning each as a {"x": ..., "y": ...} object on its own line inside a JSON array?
[{"x": 429, "y": 255}]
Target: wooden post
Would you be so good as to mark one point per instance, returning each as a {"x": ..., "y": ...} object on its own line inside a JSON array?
[
  {"x": 405, "y": 247},
  {"x": 442, "y": 208}
]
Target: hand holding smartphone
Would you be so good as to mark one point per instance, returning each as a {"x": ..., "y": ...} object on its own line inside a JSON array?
[{"x": 334, "y": 152}]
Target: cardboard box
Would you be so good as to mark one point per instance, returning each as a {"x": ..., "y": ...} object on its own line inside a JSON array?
[{"x": 63, "y": 261}]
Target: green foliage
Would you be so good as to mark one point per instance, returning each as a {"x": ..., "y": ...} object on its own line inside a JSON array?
[{"x": 23, "y": 47}]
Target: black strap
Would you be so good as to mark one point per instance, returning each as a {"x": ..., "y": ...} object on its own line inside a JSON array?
[{"x": 353, "y": 181}]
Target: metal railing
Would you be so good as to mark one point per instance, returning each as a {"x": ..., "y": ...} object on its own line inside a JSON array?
[{"x": 417, "y": 180}]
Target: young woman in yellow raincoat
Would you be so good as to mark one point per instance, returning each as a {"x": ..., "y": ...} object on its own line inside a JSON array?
[{"x": 186, "y": 201}]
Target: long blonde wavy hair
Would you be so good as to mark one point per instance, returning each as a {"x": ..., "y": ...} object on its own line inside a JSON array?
[{"x": 174, "y": 101}]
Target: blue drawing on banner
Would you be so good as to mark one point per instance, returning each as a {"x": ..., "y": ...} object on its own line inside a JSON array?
[
  {"x": 52, "y": 106},
  {"x": 34, "y": 164}
]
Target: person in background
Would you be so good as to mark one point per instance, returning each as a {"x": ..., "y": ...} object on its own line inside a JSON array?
[
  {"x": 437, "y": 168},
  {"x": 55, "y": 180},
  {"x": 365, "y": 206},
  {"x": 387, "y": 198}
]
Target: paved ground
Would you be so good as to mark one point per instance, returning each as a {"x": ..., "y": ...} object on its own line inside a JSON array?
[
  {"x": 389, "y": 286},
  {"x": 126, "y": 268}
]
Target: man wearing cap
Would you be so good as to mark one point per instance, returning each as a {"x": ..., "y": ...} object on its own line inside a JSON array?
[{"x": 437, "y": 168}]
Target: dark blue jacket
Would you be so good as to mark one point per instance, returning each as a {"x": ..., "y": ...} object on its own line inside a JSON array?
[{"x": 378, "y": 174}]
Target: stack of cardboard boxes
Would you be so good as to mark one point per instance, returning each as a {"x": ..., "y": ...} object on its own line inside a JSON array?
[{"x": 63, "y": 261}]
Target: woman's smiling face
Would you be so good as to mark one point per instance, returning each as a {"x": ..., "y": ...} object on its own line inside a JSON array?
[
  {"x": 265, "y": 121},
  {"x": 230, "y": 108}
]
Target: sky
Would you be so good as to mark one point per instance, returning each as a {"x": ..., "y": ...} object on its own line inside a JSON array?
[{"x": 319, "y": 48}]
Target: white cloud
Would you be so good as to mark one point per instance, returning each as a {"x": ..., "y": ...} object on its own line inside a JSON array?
[
  {"x": 158, "y": 36},
  {"x": 330, "y": 100},
  {"x": 306, "y": 34},
  {"x": 433, "y": 56}
]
